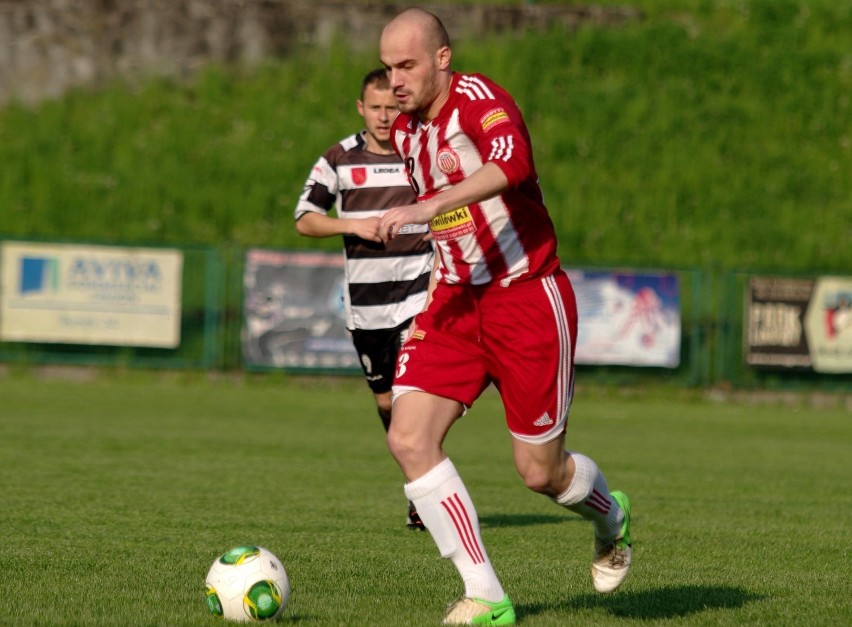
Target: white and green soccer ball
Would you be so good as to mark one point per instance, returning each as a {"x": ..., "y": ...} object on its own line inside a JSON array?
[{"x": 247, "y": 584}]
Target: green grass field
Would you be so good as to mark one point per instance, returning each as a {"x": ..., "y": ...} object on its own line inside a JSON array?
[{"x": 118, "y": 492}]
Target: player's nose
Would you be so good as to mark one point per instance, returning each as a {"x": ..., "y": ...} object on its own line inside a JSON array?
[{"x": 395, "y": 78}]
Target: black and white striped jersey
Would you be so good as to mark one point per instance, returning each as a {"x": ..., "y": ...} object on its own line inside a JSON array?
[{"x": 386, "y": 283}]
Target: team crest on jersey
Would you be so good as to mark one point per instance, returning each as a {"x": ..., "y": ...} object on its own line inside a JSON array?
[
  {"x": 493, "y": 118},
  {"x": 359, "y": 176},
  {"x": 448, "y": 160},
  {"x": 452, "y": 224}
]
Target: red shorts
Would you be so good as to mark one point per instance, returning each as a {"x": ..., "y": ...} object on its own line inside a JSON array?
[{"x": 521, "y": 338}]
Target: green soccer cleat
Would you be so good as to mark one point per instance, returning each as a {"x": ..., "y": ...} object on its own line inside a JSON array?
[
  {"x": 470, "y": 611},
  {"x": 612, "y": 559}
]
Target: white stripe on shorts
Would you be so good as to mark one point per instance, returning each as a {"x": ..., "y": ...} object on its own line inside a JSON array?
[{"x": 564, "y": 376}]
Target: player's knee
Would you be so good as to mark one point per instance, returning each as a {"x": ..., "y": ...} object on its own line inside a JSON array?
[
  {"x": 410, "y": 447},
  {"x": 538, "y": 479},
  {"x": 384, "y": 401},
  {"x": 384, "y": 406},
  {"x": 401, "y": 447}
]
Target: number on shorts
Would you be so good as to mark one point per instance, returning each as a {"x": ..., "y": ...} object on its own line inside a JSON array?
[{"x": 403, "y": 359}]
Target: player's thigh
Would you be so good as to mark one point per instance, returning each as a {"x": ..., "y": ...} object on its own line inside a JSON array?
[{"x": 530, "y": 340}]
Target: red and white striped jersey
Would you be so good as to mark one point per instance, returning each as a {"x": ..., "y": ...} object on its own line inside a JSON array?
[
  {"x": 503, "y": 239},
  {"x": 386, "y": 283}
]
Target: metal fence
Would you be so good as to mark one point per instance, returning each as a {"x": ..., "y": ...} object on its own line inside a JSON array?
[{"x": 713, "y": 346}]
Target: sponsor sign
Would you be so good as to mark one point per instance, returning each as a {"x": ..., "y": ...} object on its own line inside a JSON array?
[
  {"x": 295, "y": 316},
  {"x": 828, "y": 325},
  {"x": 77, "y": 294},
  {"x": 294, "y": 312},
  {"x": 799, "y": 323},
  {"x": 493, "y": 118},
  {"x": 628, "y": 319},
  {"x": 452, "y": 224},
  {"x": 774, "y": 322}
]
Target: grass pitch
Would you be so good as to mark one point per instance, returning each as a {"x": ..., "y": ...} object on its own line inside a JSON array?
[{"x": 119, "y": 492}]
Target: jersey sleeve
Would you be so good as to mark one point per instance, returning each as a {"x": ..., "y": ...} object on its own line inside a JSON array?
[
  {"x": 320, "y": 191},
  {"x": 497, "y": 127}
]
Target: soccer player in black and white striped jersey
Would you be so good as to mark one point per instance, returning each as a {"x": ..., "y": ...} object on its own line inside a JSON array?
[{"x": 360, "y": 177}]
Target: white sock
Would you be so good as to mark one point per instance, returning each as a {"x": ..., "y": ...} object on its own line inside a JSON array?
[
  {"x": 445, "y": 507},
  {"x": 589, "y": 496}
]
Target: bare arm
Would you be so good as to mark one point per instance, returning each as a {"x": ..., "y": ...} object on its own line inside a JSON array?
[
  {"x": 318, "y": 225},
  {"x": 483, "y": 184}
]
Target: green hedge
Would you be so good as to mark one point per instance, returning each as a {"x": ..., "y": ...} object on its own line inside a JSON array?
[{"x": 712, "y": 134}]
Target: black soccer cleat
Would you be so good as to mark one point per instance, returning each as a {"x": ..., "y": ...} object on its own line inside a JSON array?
[{"x": 413, "y": 521}]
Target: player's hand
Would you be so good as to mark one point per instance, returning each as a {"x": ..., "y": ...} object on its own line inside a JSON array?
[
  {"x": 366, "y": 228},
  {"x": 396, "y": 218}
]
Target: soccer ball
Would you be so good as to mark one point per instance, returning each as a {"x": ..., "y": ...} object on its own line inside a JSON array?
[{"x": 248, "y": 583}]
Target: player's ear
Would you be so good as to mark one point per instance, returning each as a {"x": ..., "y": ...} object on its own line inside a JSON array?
[
  {"x": 444, "y": 54},
  {"x": 360, "y": 105}
]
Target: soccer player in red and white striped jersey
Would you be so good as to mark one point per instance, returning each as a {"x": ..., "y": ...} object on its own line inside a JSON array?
[{"x": 501, "y": 312}]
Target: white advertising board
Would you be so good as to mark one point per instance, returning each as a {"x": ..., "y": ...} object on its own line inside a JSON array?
[{"x": 79, "y": 294}]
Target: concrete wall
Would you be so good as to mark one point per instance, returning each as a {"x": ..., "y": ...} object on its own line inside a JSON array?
[{"x": 47, "y": 46}]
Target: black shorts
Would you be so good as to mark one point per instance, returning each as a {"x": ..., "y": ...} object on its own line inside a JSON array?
[{"x": 377, "y": 350}]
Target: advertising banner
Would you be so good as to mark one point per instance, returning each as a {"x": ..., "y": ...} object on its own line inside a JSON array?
[
  {"x": 79, "y": 294},
  {"x": 294, "y": 313},
  {"x": 774, "y": 322},
  {"x": 828, "y": 325},
  {"x": 625, "y": 318},
  {"x": 799, "y": 323}
]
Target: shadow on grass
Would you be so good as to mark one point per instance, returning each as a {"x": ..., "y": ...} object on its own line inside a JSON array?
[
  {"x": 662, "y": 603},
  {"x": 525, "y": 520}
]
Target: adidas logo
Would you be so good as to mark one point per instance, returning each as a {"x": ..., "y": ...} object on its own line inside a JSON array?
[{"x": 543, "y": 420}]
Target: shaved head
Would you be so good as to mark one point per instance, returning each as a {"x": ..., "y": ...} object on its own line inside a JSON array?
[
  {"x": 428, "y": 24},
  {"x": 415, "y": 50}
]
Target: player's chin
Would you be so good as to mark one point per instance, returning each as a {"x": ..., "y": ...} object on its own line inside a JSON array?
[{"x": 405, "y": 104}]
